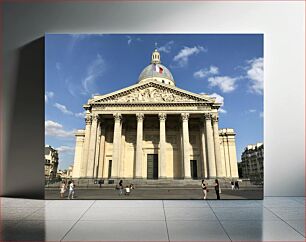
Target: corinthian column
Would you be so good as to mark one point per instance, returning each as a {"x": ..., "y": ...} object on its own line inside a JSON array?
[
  {"x": 220, "y": 166},
  {"x": 138, "y": 171},
  {"x": 92, "y": 147},
  {"x": 116, "y": 144},
  {"x": 210, "y": 146},
  {"x": 162, "y": 143},
  {"x": 203, "y": 150},
  {"x": 186, "y": 146},
  {"x": 88, "y": 120},
  {"x": 98, "y": 144}
]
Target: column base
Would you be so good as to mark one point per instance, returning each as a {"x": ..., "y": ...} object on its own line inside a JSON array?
[{"x": 187, "y": 178}]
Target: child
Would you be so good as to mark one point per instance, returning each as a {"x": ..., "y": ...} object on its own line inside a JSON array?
[
  {"x": 62, "y": 189},
  {"x": 127, "y": 190}
]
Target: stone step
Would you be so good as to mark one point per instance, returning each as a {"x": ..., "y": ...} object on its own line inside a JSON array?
[{"x": 190, "y": 183}]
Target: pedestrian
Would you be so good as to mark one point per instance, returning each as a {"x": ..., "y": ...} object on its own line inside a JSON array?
[
  {"x": 62, "y": 189},
  {"x": 71, "y": 190},
  {"x": 205, "y": 189},
  {"x": 127, "y": 190},
  {"x": 217, "y": 189},
  {"x": 236, "y": 185},
  {"x": 100, "y": 183},
  {"x": 120, "y": 187},
  {"x": 232, "y": 184},
  {"x": 132, "y": 187}
]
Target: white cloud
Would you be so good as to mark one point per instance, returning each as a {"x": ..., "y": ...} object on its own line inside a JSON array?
[
  {"x": 183, "y": 56},
  {"x": 76, "y": 38},
  {"x": 63, "y": 109},
  {"x": 204, "y": 72},
  {"x": 79, "y": 36},
  {"x": 219, "y": 99},
  {"x": 255, "y": 73},
  {"x": 55, "y": 129},
  {"x": 65, "y": 149},
  {"x": 48, "y": 95},
  {"x": 166, "y": 48},
  {"x": 94, "y": 70},
  {"x": 80, "y": 115},
  {"x": 252, "y": 110},
  {"x": 225, "y": 83},
  {"x": 261, "y": 114},
  {"x": 58, "y": 66},
  {"x": 131, "y": 39}
]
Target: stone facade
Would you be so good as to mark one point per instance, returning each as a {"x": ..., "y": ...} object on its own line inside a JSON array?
[{"x": 154, "y": 130}]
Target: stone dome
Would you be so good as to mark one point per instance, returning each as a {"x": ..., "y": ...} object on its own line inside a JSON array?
[{"x": 156, "y": 71}]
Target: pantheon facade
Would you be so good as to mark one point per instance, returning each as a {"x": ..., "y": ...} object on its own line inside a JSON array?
[{"x": 154, "y": 130}]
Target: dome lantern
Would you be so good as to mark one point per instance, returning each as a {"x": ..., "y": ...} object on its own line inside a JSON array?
[
  {"x": 155, "y": 57},
  {"x": 156, "y": 71}
]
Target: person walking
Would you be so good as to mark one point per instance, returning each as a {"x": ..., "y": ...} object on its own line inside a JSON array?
[
  {"x": 120, "y": 187},
  {"x": 71, "y": 190},
  {"x": 62, "y": 189},
  {"x": 100, "y": 183},
  {"x": 236, "y": 185},
  {"x": 232, "y": 184},
  {"x": 217, "y": 189},
  {"x": 205, "y": 189}
]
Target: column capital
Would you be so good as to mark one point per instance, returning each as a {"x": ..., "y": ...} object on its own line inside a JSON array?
[
  {"x": 185, "y": 116},
  {"x": 215, "y": 117},
  {"x": 95, "y": 117},
  {"x": 117, "y": 116},
  {"x": 88, "y": 119},
  {"x": 162, "y": 116},
  {"x": 207, "y": 116},
  {"x": 139, "y": 116}
]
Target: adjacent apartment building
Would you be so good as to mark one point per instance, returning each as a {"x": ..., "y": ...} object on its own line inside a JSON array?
[
  {"x": 252, "y": 162},
  {"x": 51, "y": 162}
]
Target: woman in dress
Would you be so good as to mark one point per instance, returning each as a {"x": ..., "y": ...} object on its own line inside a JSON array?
[
  {"x": 205, "y": 190},
  {"x": 120, "y": 187}
]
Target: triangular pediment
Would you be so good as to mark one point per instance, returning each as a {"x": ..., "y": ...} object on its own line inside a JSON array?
[{"x": 152, "y": 92}]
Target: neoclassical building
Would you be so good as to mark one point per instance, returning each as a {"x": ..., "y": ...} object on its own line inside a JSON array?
[{"x": 154, "y": 130}]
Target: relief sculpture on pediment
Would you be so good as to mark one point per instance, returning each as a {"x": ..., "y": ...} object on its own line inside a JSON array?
[{"x": 151, "y": 94}]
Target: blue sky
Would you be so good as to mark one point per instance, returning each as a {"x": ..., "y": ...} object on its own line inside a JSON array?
[{"x": 230, "y": 67}]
